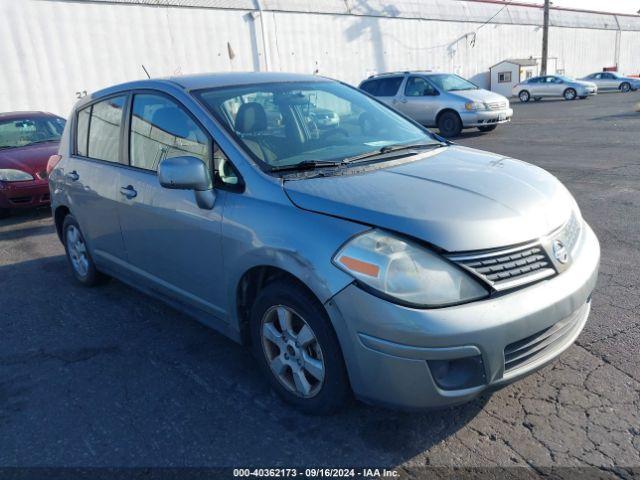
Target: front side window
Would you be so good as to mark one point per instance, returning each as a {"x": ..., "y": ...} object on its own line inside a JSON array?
[
  {"x": 161, "y": 129},
  {"x": 418, "y": 87},
  {"x": 451, "y": 83},
  {"x": 27, "y": 131},
  {"x": 105, "y": 119},
  {"x": 284, "y": 124}
]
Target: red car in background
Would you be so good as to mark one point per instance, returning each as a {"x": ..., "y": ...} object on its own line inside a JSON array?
[{"x": 27, "y": 140}]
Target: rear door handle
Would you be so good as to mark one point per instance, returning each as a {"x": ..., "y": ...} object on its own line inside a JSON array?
[
  {"x": 73, "y": 176},
  {"x": 129, "y": 192}
]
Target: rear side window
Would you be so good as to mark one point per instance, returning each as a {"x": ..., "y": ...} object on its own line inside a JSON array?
[
  {"x": 383, "y": 87},
  {"x": 82, "y": 134},
  {"x": 161, "y": 129},
  {"x": 98, "y": 130}
]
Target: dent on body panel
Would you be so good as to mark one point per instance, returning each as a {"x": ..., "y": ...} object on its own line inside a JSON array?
[{"x": 261, "y": 233}]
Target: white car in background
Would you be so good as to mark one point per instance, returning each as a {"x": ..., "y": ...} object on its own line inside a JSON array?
[{"x": 613, "y": 81}]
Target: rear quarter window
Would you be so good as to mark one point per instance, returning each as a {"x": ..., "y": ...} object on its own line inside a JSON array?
[{"x": 382, "y": 87}]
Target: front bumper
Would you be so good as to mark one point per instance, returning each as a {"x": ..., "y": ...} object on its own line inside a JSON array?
[
  {"x": 486, "y": 118},
  {"x": 387, "y": 347},
  {"x": 14, "y": 195}
]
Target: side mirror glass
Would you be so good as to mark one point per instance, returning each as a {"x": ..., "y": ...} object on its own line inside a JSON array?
[{"x": 188, "y": 173}]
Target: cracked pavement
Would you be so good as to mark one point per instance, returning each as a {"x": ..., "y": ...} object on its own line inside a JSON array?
[{"x": 108, "y": 377}]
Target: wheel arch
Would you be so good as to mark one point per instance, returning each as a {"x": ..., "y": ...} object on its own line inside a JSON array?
[
  {"x": 252, "y": 282},
  {"x": 59, "y": 215},
  {"x": 444, "y": 110}
]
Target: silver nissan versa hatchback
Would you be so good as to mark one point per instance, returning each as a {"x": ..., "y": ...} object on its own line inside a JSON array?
[{"x": 353, "y": 250}]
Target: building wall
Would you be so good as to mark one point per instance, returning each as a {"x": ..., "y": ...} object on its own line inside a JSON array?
[{"x": 53, "y": 50}]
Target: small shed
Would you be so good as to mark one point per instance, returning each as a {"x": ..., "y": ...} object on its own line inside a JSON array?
[{"x": 504, "y": 75}]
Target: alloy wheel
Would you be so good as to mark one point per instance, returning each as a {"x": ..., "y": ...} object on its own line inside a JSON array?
[
  {"x": 77, "y": 251},
  {"x": 292, "y": 351}
]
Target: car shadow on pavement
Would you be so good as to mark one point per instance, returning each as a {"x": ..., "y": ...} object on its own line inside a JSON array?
[
  {"x": 21, "y": 216},
  {"x": 111, "y": 371}
]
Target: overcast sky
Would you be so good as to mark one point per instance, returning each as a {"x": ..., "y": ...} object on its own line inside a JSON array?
[{"x": 616, "y": 6}]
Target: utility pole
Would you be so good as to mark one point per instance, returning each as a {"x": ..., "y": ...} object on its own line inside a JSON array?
[{"x": 545, "y": 39}]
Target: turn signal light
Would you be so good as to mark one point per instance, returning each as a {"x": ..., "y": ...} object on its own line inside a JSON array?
[{"x": 52, "y": 162}]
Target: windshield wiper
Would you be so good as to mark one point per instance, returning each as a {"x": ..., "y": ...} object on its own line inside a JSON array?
[
  {"x": 392, "y": 148},
  {"x": 305, "y": 165}
]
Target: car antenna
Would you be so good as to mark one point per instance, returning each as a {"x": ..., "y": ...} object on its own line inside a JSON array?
[{"x": 145, "y": 71}]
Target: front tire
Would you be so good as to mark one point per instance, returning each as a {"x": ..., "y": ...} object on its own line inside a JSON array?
[
  {"x": 78, "y": 254},
  {"x": 488, "y": 128},
  {"x": 625, "y": 87},
  {"x": 570, "y": 94},
  {"x": 524, "y": 96},
  {"x": 293, "y": 340},
  {"x": 449, "y": 124}
]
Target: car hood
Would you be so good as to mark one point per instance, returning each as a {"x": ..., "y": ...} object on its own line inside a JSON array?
[
  {"x": 480, "y": 95},
  {"x": 31, "y": 159},
  {"x": 456, "y": 198}
]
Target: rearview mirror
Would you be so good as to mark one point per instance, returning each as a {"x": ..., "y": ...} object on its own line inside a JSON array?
[{"x": 188, "y": 173}]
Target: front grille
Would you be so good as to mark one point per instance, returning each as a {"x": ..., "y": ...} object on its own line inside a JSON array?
[
  {"x": 526, "y": 351},
  {"x": 497, "y": 105},
  {"x": 504, "y": 269},
  {"x": 20, "y": 200},
  {"x": 569, "y": 233}
]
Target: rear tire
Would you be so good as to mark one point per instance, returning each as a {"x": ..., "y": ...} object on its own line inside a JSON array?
[
  {"x": 449, "y": 124},
  {"x": 5, "y": 212},
  {"x": 488, "y": 128},
  {"x": 569, "y": 94},
  {"x": 308, "y": 373},
  {"x": 625, "y": 87},
  {"x": 524, "y": 96},
  {"x": 80, "y": 261}
]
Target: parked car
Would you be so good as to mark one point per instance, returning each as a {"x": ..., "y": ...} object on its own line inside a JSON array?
[
  {"x": 376, "y": 259},
  {"x": 553, "y": 86},
  {"x": 613, "y": 81},
  {"x": 441, "y": 100},
  {"x": 27, "y": 140}
]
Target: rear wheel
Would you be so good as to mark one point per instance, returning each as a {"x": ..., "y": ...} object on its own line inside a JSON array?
[
  {"x": 449, "y": 124},
  {"x": 78, "y": 254},
  {"x": 4, "y": 212},
  {"x": 625, "y": 87},
  {"x": 569, "y": 94},
  {"x": 488, "y": 128},
  {"x": 524, "y": 96},
  {"x": 297, "y": 348}
]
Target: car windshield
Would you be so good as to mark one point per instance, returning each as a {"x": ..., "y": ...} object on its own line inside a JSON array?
[
  {"x": 25, "y": 131},
  {"x": 565, "y": 78},
  {"x": 451, "y": 83},
  {"x": 287, "y": 123}
]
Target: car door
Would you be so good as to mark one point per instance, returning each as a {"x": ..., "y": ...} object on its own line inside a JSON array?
[
  {"x": 535, "y": 87},
  {"x": 610, "y": 81},
  {"x": 91, "y": 178},
  {"x": 418, "y": 100},
  {"x": 173, "y": 245}
]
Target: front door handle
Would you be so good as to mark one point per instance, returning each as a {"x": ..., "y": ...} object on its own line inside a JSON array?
[
  {"x": 73, "y": 176},
  {"x": 129, "y": 192}
]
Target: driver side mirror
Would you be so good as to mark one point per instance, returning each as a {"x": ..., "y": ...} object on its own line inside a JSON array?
[{"x": 188, "y": 173}]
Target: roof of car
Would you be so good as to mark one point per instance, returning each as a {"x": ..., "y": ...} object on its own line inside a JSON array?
[
  {"x": 212, "y": 80},
  {"x": 405, "y": 72}
]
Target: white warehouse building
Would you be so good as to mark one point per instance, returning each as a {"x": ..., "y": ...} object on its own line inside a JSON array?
[{"x": 55, "y": 50}]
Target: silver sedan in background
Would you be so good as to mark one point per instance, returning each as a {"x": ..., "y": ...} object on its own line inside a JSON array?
[
  {"x": 613, "y": 81},
  {"x": 553, "y": 86}
]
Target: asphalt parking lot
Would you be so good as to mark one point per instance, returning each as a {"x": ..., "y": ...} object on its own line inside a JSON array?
[{"x": 107, "y": 377}]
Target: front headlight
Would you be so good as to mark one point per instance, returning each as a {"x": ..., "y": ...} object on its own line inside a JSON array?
[
  {"x": 401, "y": 269},
  {"x": 11, "y": 175},
  {"x": 475, "y": 106}
]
